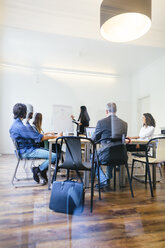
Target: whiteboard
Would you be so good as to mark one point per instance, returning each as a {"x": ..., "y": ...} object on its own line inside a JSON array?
[{"x": 61, "y": 120}]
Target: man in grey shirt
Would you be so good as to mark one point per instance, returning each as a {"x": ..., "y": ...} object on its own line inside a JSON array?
[{"x": 109, "y": 127}]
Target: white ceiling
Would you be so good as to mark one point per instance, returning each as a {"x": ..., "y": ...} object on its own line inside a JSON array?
[{"x": 65, "y": 34}]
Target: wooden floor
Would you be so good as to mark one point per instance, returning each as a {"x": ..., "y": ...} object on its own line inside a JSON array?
[{"x": 117, "y": 220}]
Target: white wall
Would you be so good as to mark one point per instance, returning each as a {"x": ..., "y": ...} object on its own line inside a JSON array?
[
  {"x": 43, "y": 89},
  {"x": 150, "y": 82},
  {"x": 0, "y": 109}
]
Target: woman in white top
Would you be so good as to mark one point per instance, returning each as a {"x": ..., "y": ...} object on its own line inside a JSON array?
[{"x": 148, "y": 128}]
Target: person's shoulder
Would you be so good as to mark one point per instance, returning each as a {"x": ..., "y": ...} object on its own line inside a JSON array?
[
  {"x": 17, "y": 125},
  {"x": 102, "y": 120},
  {"x": 151, "y": 127},
  {"x": 121, "y": 120},
  {"x": 17, "y": 122}
]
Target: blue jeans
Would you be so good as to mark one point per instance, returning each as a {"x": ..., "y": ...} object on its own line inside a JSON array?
[
  {"x": 104, "y": 177},
  {"x": 41, "y": 153},
  {"x": 108, "y": 175}
]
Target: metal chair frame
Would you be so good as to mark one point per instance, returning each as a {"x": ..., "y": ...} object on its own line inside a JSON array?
[
  {"x": 19, "y": 159},
  {"x": 114, "y": 162},
  {"x": 147, "y": 160}
]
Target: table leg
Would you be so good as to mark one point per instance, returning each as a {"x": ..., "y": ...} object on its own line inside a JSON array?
[
  {"x": 122, "y": 176},
  {"x": 86, "y": 159}
]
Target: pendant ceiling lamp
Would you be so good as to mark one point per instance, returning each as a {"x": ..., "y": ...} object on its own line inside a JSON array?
[{"x": 124, "y": 20}]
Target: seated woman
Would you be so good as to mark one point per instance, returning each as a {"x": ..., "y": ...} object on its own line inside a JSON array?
[
  {"x": 148, "y": 128},
  {"x": 83, "y": 120},
  {"x": 37, "y": 126},
  {"x": 146, "y": 133}
]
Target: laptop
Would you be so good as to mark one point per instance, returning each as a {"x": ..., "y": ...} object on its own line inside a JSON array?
[{"x": 90, "y": 131}]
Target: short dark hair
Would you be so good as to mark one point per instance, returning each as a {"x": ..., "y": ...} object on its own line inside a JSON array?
[{"x": 19, "y": 110}]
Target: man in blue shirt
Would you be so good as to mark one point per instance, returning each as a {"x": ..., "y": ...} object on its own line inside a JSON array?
[{"x": 26, "y": 141}]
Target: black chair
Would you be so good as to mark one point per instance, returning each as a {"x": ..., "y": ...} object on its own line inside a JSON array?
[
  {"x": 19, "y": 159},
  {"x": 113, "y": 155},
  {"x": 158, "y": 142},
  {"x": 73, "y": 158}
]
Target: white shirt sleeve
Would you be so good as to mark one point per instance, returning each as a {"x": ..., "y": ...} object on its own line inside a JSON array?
[{"x": 146, "y": 133}]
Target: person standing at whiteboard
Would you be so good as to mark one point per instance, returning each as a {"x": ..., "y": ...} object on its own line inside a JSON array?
[{"x": 83, "y": 120}]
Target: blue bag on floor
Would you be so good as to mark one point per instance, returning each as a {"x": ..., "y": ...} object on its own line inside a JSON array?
[{"x": 67, "y": 197}]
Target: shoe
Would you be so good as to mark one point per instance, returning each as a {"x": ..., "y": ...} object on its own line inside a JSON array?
[
  {"x": 103, "y": 184},
  {"x": 107, "y": 188},
  {"x": 36, "y": 171},
  {"x": 44, "y": 182},
  {"x": 44, "y": 175}
]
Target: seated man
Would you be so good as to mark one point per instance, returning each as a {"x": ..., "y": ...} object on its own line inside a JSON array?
[
  {"x": 109, "y": 127},
  {"x": 29, "y": 116},
  {"x": 26, "y": 141}
]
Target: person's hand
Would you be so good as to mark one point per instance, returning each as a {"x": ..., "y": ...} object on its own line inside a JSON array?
[
  {"x": 59, "y": 134},
  {"x": 128, "y": 140},
  {"x": 72, "y": 117},
  {"x": 80, "y": 124}
]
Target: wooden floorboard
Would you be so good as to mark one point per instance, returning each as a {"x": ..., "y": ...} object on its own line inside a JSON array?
[{"x": 117, "y": 220}]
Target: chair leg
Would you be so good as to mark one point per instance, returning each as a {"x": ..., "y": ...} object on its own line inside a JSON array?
[
  {"x": 15, "y": 172},
  {"x": 149, "y": 176},
  {"x": 129, "y": 180},
  {"x": 98, "y": 173},
  {"x": 154, "y": 175},
  {"x": 24, "y": 164},
  {"x": 160, "y": 172},
  {"x": 92, "y": 186},
  {"x": 54, "y": 174},
  {"x": 145, "y": 175},
  {"x": 132, "y": 169},
  {"x": 114, "y": 182}
]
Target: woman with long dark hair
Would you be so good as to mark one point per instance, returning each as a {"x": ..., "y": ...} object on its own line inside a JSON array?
[
  {"x": 83, "y": 120},
  {"x": 148, "y": 128}
]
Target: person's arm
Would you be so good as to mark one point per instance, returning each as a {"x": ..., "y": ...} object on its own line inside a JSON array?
[
  {"x": 47, "y": 137},
  {"x": 97, "y": 134},
  {"x": 74, "y": 121},
  {"x": 51, "y": 133},
  {"x": 72, "y": 116},
  {"x": 28, "y": 133},
  {"x": 134, "y": 137}
]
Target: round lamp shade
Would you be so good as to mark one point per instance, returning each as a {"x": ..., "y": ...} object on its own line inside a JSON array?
[{"x": 124, "y": 20}]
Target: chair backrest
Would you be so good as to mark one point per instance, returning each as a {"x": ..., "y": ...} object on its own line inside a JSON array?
[
  {"x": 160, "y": 151},
  {"x": 73, "y": 151},
  {"x": 73, "y": 155},
  {"x": 113, "y": 155}
]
